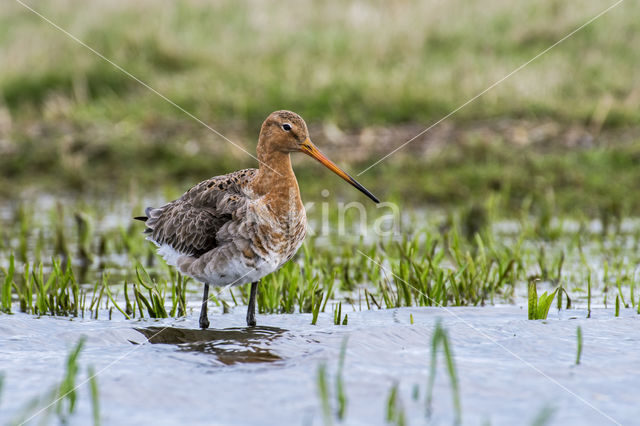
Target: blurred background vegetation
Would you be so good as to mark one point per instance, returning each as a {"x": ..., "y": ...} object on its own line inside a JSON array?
[{"x": 366, "y": 75}]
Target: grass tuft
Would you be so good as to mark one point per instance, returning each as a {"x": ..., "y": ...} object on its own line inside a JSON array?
[{"x": 538, "y": 307}]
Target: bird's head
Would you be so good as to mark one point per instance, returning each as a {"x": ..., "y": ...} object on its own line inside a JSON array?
[{"x": 286, "y": 131}]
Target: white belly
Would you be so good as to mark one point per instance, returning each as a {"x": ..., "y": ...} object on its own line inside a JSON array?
[
  {"x": 236, "y": 272},
  {"x": 222, "y": 271}
]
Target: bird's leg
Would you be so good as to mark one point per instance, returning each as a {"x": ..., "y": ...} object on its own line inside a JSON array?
[
  {"x": 251, "y": 309},
  {"x": 204, "y": 319}
]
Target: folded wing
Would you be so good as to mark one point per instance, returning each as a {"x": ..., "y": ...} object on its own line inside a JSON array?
[{"x": 189, "y": 224}]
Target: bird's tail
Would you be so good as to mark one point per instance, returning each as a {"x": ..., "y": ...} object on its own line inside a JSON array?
[{"x": 145, "y": 218}]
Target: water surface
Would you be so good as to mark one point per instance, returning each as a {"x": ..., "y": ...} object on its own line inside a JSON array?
[{"x": 168, "y": 371}]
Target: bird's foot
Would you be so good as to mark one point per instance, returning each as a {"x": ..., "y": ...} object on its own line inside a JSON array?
[
  {"x": 251, "y": 308},
  {"x": 204, "y": 318},
  {"x": 204, "y": 321},
  {"x": 251, "y": 320}
]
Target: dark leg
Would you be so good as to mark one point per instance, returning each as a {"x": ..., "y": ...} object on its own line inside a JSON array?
[
  {"x": 251, "y": 309},
  {"x": 204, "y": 320}
]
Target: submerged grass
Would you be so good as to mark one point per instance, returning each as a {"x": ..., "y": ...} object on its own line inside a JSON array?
[
  {"x": 579, "y": 345},
  {"x": 395, "y": 413},
  {"x": 62, "y": 398},
  {"x": 341, "y": 395},
  {"x": 95, "y": 397},
  {"x": 323, "y": 393},
  {"x": 66, "y": 394},
  {"x": 394, "y": 410},
  {"x": 441, "y": 339},
  {"x": 544, "y": 416}
]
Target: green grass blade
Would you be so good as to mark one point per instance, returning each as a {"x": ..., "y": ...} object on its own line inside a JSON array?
[
  {"x": 533, "y": 299},
  {"x": 341, "y": 395},
  {"x": 5, "y": 294},
  {"x": 95, "y": 400},
  {"x": 579, "y": 348},
  {"x": 544, "y": 303},
  {"x": 323, "y": 394}
]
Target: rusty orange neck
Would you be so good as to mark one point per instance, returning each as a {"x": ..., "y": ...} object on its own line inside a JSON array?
[{"x": 277, "y": 182}]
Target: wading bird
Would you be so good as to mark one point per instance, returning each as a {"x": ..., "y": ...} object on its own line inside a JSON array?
[{"x": 237, "y": 228}]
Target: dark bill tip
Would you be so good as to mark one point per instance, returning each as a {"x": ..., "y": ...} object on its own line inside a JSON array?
[{"x": 364, "y": 190}]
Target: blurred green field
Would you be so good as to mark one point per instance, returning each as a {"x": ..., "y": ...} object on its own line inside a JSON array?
[{"x": 71, "y": 121}]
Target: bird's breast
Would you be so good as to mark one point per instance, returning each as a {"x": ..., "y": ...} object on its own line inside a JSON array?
[{"x": 279, "y": 236}]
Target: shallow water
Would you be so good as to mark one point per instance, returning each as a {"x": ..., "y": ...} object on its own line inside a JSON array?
[{"x": 167, "y": 371}]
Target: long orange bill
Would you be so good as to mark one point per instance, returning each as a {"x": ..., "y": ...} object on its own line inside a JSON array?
[{"x": 310, "y": 149}]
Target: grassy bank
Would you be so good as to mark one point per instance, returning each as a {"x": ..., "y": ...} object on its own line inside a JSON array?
[{"x": 590, "y": 181}]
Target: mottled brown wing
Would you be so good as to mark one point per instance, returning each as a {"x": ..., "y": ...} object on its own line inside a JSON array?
[
  {"x": 190, "y": 224},
  {"x": 187, "y": 229}
]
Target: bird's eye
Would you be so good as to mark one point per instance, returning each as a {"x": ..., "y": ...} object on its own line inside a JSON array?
[{"x": 286, "y": 127}]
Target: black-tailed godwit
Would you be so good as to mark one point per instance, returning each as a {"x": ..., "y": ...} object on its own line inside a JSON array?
[{"x": 237, "y": 228}]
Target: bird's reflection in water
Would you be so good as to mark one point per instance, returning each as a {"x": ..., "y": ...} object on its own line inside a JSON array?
[{"x": 229, "y": 346}]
